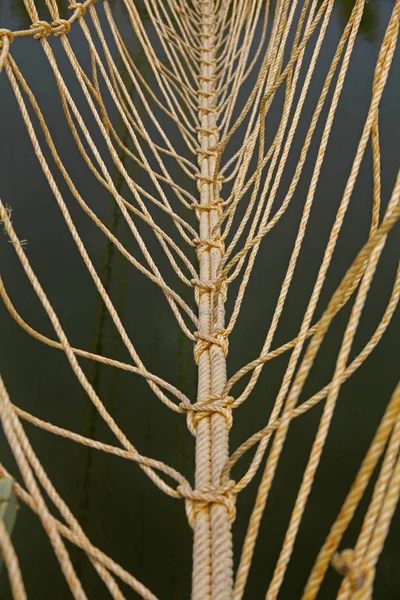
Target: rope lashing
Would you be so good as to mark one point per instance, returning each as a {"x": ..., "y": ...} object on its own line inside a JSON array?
[
  {"x": 201, "y": 287},
  {"x": 206, "y": 408},
  {"x": 204, "y": 286},
  {"x": 207, "y": 110},
  {"x": 215, "y": 205},
  {"x": 205, "y": 341},
  {"x": 207, "y": 36},
  {"x": 206, "y": 79},
  {"x": 208, "y": 63},
  {"x": 207, "y": 94},
  {"x": 197, "y": 500},
  {"x": 202, "y": 131},
  {"x": 206, "y": 152},
  {"x": 206, "y": 245},
  {"x": 202, "y": 179},
  {"x": 219, "y": 287},
  {"x": 360, "y": 579},
  {"x": 203, "y": 49}
]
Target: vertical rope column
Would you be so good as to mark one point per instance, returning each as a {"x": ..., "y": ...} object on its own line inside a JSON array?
[{"x": 212, "y": 551}]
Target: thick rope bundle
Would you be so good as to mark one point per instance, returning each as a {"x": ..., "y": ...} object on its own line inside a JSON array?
[{"x": 208, "y": 51}]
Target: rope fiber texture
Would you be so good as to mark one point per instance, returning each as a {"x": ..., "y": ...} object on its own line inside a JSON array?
[{"x": 202, "y": 55}]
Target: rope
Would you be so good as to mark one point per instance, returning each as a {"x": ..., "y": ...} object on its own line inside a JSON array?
[
  {"x": 12, "y": 565},
  {"x": 212, "y": 550},
  {"x": 190, "y": 73}
]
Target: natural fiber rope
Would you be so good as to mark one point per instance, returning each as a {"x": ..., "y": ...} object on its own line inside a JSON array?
[
  {"x": 212, "y": 553},
  {"x": 209, "y": 50},
  {"x": 11, "y": 560}
]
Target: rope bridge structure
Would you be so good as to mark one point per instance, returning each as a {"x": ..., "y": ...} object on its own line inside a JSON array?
[{"x": 218, "y": 69}]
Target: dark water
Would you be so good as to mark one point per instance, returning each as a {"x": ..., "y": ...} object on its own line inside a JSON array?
[{"x": 120, "y": 509}]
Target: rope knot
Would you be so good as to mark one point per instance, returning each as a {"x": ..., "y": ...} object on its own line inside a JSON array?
[
  {"x": 198, "y": 500},
  {"x": 42, "y": 28},
  {"x": 60, "y": 27},
  {"x": 79, "y": 8},
  {"x": 6, "y": 33},
  {"x": 205, "y": 341},
  {"x": 206, "y": 408},
  {"x": 360, "y": 579}
]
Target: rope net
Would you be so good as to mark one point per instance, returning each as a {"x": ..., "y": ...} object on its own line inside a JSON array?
[{"x": 202, "y": 54}]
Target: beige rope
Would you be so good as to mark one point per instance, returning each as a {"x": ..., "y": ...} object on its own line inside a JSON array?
[
  {"x": 376, "y": 522},
  {"x": 92, "y": 551},
  {"x": 212, "y": 552},
  {"x": 356, "y": 493},
  {"x": 47, "y": 521},
  {"x": 11, "y": 560},
  {"x": 204, "y": 53}
]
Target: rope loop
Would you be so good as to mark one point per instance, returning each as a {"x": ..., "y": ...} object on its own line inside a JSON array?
[
  {"x": 60, "y": 27},
  {"x": 8, "y": 34},
  {"x": 42, "y": 28},
  {"x": 198, "y": 500},
  {"x": 79, "y": 8},
  {"x": 360, "y": 579}
]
